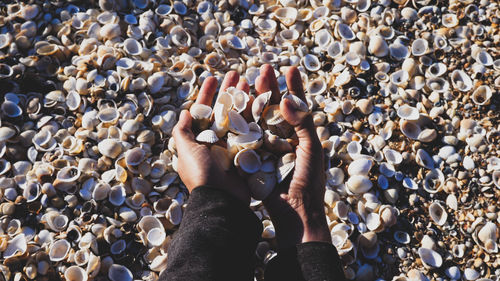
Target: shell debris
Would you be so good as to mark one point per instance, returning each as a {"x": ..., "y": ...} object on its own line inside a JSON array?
[{"x": 404, "y": 95}]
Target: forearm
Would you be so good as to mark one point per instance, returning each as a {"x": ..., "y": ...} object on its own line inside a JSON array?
[{"x": 216, "y": 239}]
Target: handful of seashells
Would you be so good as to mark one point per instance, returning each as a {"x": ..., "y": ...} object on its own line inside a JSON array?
[{"x": 250, "y": 135}]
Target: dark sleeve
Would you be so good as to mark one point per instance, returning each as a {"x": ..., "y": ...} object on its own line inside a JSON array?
[
  {"x": 215, "y": 241},
  {"x": 311, "y": 261}
]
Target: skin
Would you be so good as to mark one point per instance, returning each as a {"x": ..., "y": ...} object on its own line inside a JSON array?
[{"x": 296, "y": 205}]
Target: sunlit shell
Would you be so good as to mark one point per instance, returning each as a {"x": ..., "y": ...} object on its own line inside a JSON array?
[
  {"x": 311, "y": 62},
  {"x": 248, "y": 161},
  {"x": 110, "y": 148},
  {"x": 378, "y": 46},
  {"x": 286, "y": 15},
  {"x": 430, "y": 258},
  {"x": 59, "y": 250},
  {"x": 359, "y": 184},
  {"x": 17, "y": 246},
  {"x": 360, "y": 166},
  {"x": 433, "y": 181},
  {"x": 419, "y": 47},
  {"x": 438, "y": 213},
  {"x": 398, "y": 51},
  {"x": 486, "y": 237},
  {"x": 344, "y": 31},
  {"x": 461, "y": 80},
  {"x": 75, "y": 273},
  {"x": 207, "y": 136},
  {"x": 482, "y": 95}
]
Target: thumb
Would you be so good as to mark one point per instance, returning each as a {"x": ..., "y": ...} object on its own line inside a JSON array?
[{"x": 182, "y": 132}]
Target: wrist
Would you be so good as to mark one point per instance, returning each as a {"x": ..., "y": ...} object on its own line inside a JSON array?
[{"x": 316, "y": 229}]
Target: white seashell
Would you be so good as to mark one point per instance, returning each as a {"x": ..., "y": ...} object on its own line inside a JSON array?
[
  {"x": 237, "y": 124},
  {"x": 482, "y": 95},
  {"x": 344, "y": 31},
  {"x": 119, "y": 273},
  {"x": 258, "y": 105},
  {"x": 110, "y": 31},
  {"x": 261, "y": 184},
  {"x": 461, "y": 81},
  {"x": 174, "y": 213},
  {"x": 419, "y": 47},
  {"x": 287, "y": 15},
  {"x": 359, "y": 184},
  {"x": 56, "y": 221},
  {"x": 424, "y": 159},
  {"x": 335, "y": 49},
  {"x": 180, "y": 37},
  {"x": 248, "y": 161},
  {"x": 285, "y": 166},
  {"x": 378, "y": 46},
  {"x": 430, "y": 258},
  {"x": 239, "y": 99},
  {"x": 398, "y": 51},
  {"x": 163, "y": 10},
  {"x": 373, "y": 222},
  {"x": 17, "y": 246},
  {"x": 361, "y": 166},
  {"x": 316, "y": 87},
  {"x": 75, "y": 273},
  {"x": 484, "y": 58},
  {"x": 207, "y": 136},
  {"x": 5, "y": 40},
  {"x": 311, "y": 62},
  {"x": 438, "y": 213},
  {"x": 408, "y": 112},
  {"x": 59, "y": 250},
  {"x": 410, "y": 128},
  {"x": 487, "y": 237},
  {"x": 471, "y": 274},
  {"x": 399, "y": 78},
  {"x": 117, "y": 195},
  {"x": 343, "y": 78},
  {"x": 393, "y": 157},
  {"x": 452, "y": 202},
  {"x": 436, "y": 69},
  {"x": 354, "y": 149},
  {"x": 110, "y": 148},
  {"x": 433, "y": 181},
  {"x": 180, "y": 8}
]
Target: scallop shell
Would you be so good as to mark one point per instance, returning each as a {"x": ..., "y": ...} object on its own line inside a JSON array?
[
  {"x": 237, "y": 123},
  {"x": 207, "y": 136}
]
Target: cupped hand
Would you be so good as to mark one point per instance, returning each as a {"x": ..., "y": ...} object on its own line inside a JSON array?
[
  {"x": 195, "y": 164},
  {"x": 296, "y": 207}
]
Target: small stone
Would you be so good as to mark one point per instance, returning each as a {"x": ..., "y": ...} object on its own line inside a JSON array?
[
  {"x": 468, "y": 163},
  {"x": 401, "y": 253},
  {"x": 471, "y": 274},
  {"x": 453, "y": 272}
]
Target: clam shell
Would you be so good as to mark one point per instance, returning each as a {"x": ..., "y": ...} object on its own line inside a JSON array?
[
  {"x": 361, "y": 166},
  {"x": 419, "y": 47},
  {"x": 433, "y": 181},
  {"x": 117, "y": 195},
  {"x": 482, "y": 95},
  {"x": 248, "y": 161},
  {"x": 59, "y": 250},
  {"x": 359, "y": 184},
  {"x": 402, "y": 237},
  {"x": 119, "y": 273},
  {"x": 237, "y": 124},
  {"x": 110, "y": 148},
  {"x": 461, "y": 80},
  {"x": 75, "y": 273},
  {"x": 16, "y": 247},
  {"x": 207, "y": 136},
  {"x": 285, "y": 166},
  {"x": 311, "y": 63},
  {"x": 438, "y": 213},
  {"x": 286, "y": 15},
  {"x": 408, "y": 112},
  {"x": 344, "y": 31},
  {"x": 11, "y": 109},
  {"x": 430, "y": 258},
  {"x": 398, "y": 51},
  {"x": 378, "y": 46}
]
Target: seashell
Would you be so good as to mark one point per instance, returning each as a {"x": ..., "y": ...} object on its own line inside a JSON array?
[
  {"x": 484, "y": 58},
  {"x": 398, "y": 51},
  {"x": 135, "y": 156},
  {"x": 5, "y": 40},
  {"x": 359, "y": 184},
  {"x": 276, "y": 122},
  {"x": 344, "y": 31},
  {"x": 461, "y": 81},
  {"x": 180, "y": 8},
  {"x": 361, "y": 166},
  {"x": 424, "y": 159},
  {"x": 316, "y": 87},
  {"x": 449, "y": 20},
  {"x": 419, "y": 47},
  {"x": 402, "y": 237},
  {"x": 239, "y": 99},
  {"x": 110, "y": 31},
  {"x": 369, "y": 245},
  {"x": 433, "y": 181},
  {"x": 119, "y": 273},
  {"x": 399, "y": 78},
  {"x": 163, "y": 10},
  {"x": 482, "y": 95},
  {"x": 393, "y": 157},
  {"x": 117, "y": 195},
  {"x": 486, "y": 236},
  {"x": 471, "y": 274},
  {"x": 180, "y": 37},
  {"x": 75, "y": 273},
  {"x": 286, "y": 15},
  {"x": 68, "y": 174},
  {"x": 430, "y": 258},
  {"x": 407, "y": 112},
  {"x": 17, "y": 246},
  {"x": 11, "y": 109},
  {"x": 110, "y": 148},
  {"x": 207, "y": 136},
  {"x": 311, "y": 63},
  {"x": 237, "y": 123},
  {"x": 6, "y": 71},
  {"x": 378, "y": 46},
  {"x": 174, "y": 215},
  {"x": 59, "y": 250},
  {"x": 6, "y": 133},
  {"x": 335, "y": 49},
  {"x": 248, "y": 161},
  {"x": 436, "y": 70},
  {"x": 438, "y": 213},
  {"x": 261, "y": 184}
]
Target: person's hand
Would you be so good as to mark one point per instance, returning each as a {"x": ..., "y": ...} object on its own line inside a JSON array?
[
  {"x": 296, "y": 207},
  {"x": 196, "y": 165}
]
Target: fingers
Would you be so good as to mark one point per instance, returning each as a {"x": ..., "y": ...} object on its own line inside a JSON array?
[
  {"x": 182, "y": 133},
  {"x": 243, "y": 85},
  {"x": 267, "y": 82},
  {"x": 230, "y": 80},
  {"x": 294, "y": 83},
  {"x": 207, "y": 91}
]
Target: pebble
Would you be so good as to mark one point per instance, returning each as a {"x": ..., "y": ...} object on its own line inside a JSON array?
[{"x": 453, "y": 272}]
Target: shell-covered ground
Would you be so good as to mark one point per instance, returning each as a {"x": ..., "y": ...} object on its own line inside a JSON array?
[{"x": 404, "y": 94}]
